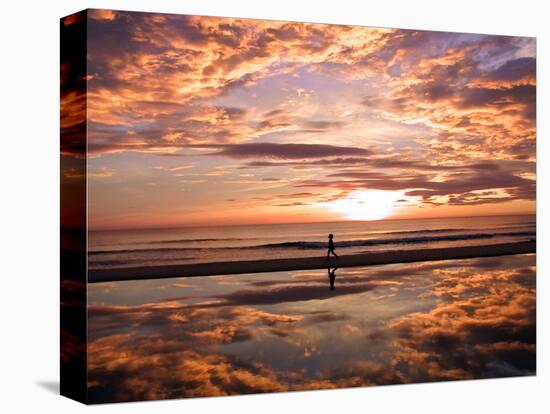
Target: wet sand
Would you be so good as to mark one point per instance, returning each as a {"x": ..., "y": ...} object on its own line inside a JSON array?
[{"x": 279, "y": 265}]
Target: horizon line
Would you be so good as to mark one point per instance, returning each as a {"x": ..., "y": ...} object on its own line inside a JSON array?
[{"x": 182, "y": 226}]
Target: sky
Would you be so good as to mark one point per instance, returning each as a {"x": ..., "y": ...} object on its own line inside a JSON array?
[{"x": 200, "y": 120}]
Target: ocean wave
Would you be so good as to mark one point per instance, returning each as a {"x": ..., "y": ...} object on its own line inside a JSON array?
[
  {"x": 158, "y": 250},
  {"x": 406, "y": 240},
  {"x": 422, "y": 231},
  {"x": 195, "y": 240}
]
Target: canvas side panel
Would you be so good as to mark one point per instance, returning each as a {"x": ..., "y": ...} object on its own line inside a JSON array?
[{"x": 73, "y": 206}]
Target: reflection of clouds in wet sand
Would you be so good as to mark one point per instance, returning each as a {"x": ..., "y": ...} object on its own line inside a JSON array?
[
  {"x": 485, "y": 327},
  {"x": 278, "y": 332}
]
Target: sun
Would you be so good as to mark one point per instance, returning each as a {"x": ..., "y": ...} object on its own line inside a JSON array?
[{"x": 367, "y": 204}]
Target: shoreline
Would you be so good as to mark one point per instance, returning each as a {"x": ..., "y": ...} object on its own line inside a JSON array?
[{"x": 308, "y": 263}]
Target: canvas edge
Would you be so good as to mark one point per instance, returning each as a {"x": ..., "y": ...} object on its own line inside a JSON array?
[{"x": 73, "y": 207}]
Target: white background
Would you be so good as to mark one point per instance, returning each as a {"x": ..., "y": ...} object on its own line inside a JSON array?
[{"x": 29, "y": 206}]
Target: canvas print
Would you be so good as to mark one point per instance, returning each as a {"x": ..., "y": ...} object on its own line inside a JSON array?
[{"x": 254, "y": 206}]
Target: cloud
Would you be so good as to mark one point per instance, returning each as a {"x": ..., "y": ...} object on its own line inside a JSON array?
[
  {"x": 289, "y": 151},
  {"x": 101, "y": 14},
  {"x": 291, "y": 293},
  {"x": 169, "y": 61},
  {"x": 515, "y": 69},
  {"x": 463, "y": 337},
  {"x": 461, "y": 185},
  {"x": 161, "y": 375},
  {"x": 476, "y": 92}
]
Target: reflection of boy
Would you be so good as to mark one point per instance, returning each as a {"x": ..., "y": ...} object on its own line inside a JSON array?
[{"x": 331, "y": 277}]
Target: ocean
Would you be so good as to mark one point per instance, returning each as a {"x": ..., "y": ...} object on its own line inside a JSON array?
[{"x": 185, "y": 245}]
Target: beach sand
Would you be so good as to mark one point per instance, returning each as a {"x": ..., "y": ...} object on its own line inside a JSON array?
[{"x": 278, "y": 265}]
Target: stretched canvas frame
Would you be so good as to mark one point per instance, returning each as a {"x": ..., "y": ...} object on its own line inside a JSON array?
[{"x": 242, "y": 262}]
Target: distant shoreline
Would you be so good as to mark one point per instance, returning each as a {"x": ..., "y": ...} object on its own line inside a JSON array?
[{"x": 308, "y": 263}]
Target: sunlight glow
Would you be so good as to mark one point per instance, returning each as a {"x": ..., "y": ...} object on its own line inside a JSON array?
[{"x": 367, "y": 205}]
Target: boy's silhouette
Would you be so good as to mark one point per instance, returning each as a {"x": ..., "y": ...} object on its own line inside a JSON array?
[{"x": 331, "y": 247}]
